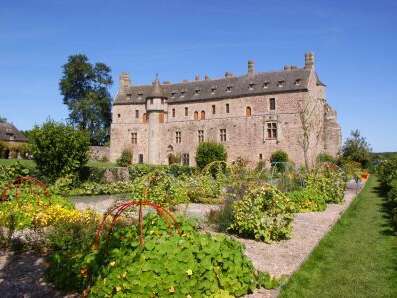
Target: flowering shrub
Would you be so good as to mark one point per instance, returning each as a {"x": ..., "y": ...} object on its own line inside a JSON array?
[
  {"x": 328, "y": 182},
  {"x": 264, "y": 213},
  {"x": 306, "y": 200}
]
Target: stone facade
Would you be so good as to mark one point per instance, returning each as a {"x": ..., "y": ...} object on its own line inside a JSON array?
[
  {"x": 252, "y": 115},
  {"x": 100, "y": 153}
]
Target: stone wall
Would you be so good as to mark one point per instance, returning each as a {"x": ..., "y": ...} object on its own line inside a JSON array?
[{"x": 101, "y": 153}]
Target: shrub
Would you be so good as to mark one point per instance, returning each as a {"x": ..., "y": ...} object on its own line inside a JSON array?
[
  {"x": 8, "y": 173},
  {"x": 306, "y": 200},
  {"x": 387, "y": 172},
  {"x": 125, "y": 159},
  {"x": 325, "y": 157},
  {"x": 174, "y": 158},
  {"x": 278, "y": 158},
  {"x": 208, "y": 152},
  {"x": 59, "y": 149},
  {"x": 264, "y": 213},
  {"x": 356, "y": 148},
  {"x": 328, "y": 182}
]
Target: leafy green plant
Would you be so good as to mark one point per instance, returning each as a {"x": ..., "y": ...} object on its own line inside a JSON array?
[
  {"x": 306, "y": 200},
  {"x": 170, "y": 264},
  {"x": 264, "y": 213},
  {"x": 208, "y": 152},
  {"x": 325, "y": 157},
  {"x": 125, "y": 159},
  {"x": 58, "y": 149},
  {"x": 278, "y": 158},
  {"x": 328, "y": 181}
]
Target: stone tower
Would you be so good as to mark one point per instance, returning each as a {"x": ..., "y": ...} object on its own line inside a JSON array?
[{"x": 156, "y": 106}]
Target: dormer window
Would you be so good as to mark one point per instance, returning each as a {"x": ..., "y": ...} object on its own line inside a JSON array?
[
  {"x": 281, "y": 83},
  {"x": 197, "y": 92},
  {"x": 173, "y": 94},
  {"x": 297, "y": 82},
  {"x": 251, "y": 86},
  {"x": 182, "y": 93},
  {"x": 129, "y": 96},
  {"x": 266, "y": 85},
  {"x": 213, "y": 90},
  {"x": 140, "y": 94},
  {"x": 229, "y": 88}
]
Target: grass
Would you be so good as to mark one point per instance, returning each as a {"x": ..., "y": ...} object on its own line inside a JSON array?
[
  {"x": 357, "y": 258},
  {"x": 31, "y": 163}
]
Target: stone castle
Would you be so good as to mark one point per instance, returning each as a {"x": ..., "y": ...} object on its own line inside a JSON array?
[{"x": 253, "y": 115}]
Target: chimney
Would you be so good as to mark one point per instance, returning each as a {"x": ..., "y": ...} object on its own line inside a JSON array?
[
  {"x": 251, "y": 67},
  {"x": 206, "y": 77},
  {"x": 309, "y": 60},
  {"x": 287, "y": 67},
  {"x": 197, "y": 77},
  {"x": 125, "y": 83},
  {"x": 228, "y": 75}
]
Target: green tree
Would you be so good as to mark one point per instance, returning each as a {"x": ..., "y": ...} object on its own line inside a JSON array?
[
  {"x": 208, "y": 152},
  {"x": 59, "y": 149},
  {"x": 84, "y": 88},
  {"x": 356, "y": 148},
  {"x": 278, "y": 159}
]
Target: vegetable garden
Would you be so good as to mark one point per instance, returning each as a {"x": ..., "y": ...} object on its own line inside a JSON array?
[{"x": 126, "y": 252}]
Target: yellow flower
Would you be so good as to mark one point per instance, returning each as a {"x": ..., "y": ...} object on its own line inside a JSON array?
[
  {"x": 189, "y": 272},
  {"x": 171, "y": 290}
]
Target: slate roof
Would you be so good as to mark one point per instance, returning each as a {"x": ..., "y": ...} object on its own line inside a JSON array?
[
  {"x": 290, "y": 80},
  {"x": 9, "y": 132}
]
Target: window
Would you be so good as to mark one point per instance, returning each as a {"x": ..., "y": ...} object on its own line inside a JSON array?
[
  {"x": 173, "y": 93},
  {"x": 144, "y": 118},
  {"x": 297, "y": 82},
  {"x": 281, "y": 83},
  {"x": 178, "y": 137},
  {"x": 202, "y": 116},
  {"x": 173, "y": 112},
  {"x": 227, "y": 108},
  {"x": 161, "y": 117},
  {"x": 248, "y": 111},
  {"x": 222, "y": 134},
  {"x": 229, "y": 89},
  {"x": 134, "y": 138},
  {"x": 197, "y": 92},
  {"x": 251, "y": 86},
  {"x": 136, "y": 113},
  {"x": 201, "y": 136},
  {"x": 195, "y": 117},
  {"x": 162, "y": 101},
  {"x": 140, "y": 158},
  {"x": 118, "y": 115},
  {"x": 271, "y": 130},
  {"x": 272, "y": 104},
  {"x": 182, "y": 93},
  {"x": 213, "y": 90},
  {"x": 151, "y": 101},
  {"x": 129, "y": 96},
  {"x": 185, "y": 159},
  {"x": 266, "y": 85},
  {"x": 186, "y": 111},
  {"x": 260, "y": 156},
  {"x": 213, "y": 109}
]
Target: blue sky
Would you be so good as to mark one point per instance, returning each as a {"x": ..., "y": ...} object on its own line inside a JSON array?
[{"x": 355, "y": 43}]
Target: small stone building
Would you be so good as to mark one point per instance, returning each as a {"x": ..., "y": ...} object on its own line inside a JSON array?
[
  {"x": 252, "y": 115},
  {"x": 10, "y": 134}
]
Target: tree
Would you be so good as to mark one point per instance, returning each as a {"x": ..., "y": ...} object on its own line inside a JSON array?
[
  {"x": 278, "y": 160},
  {"x": 311, "y": 126},
  {"x": 84, "y": 88},
  {"x": 356, "y": 148},
  {"x": 59, "y": 149},
  {"x": 208, "y": 152},
  {"x": 3, "y": 119}
]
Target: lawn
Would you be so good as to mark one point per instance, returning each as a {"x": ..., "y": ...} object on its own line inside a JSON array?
[
  {"x": 31, "y": 163},
  {"x": 357, "y": 258}
]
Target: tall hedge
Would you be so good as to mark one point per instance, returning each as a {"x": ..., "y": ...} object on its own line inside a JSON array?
[
  {"x": 59, "y": 149},
  {"x": 208, "y": 152}
]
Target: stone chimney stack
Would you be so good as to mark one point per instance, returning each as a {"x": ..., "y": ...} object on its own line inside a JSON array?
[
  {"x": 125, "y": 83},
  {"x": 309, "y": 60},
  {"x": 251, "y": 67},
  {"x": 197, "y": 77}
]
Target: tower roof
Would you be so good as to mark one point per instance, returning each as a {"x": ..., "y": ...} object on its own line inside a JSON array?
[{"x": 157, "y": 91}]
